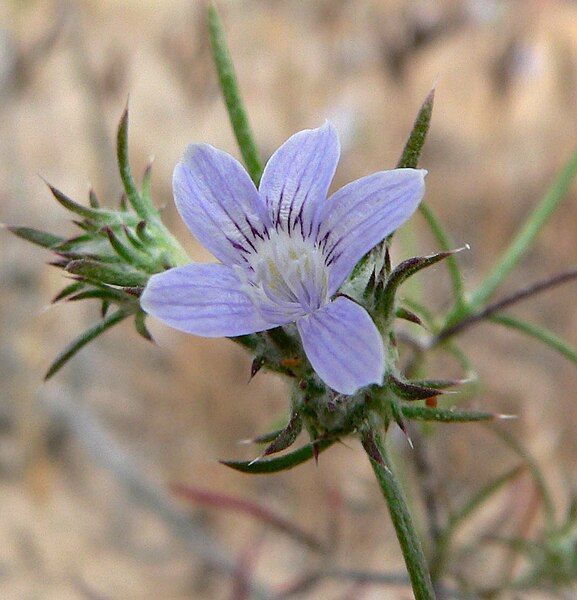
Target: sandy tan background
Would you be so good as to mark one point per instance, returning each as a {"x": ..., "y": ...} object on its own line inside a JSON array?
[{"x": 86, "y": 460}]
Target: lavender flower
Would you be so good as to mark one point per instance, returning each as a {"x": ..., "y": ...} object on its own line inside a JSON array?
[{"x": 285, "y": 250}]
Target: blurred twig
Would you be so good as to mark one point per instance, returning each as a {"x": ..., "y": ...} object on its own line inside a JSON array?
[
  {"x": 495, "y": 307},
  {"x": 84, "y": 427},
  {"x": 242, "y": 505}
]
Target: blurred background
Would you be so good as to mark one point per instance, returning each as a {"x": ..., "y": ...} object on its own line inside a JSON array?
[{"x": 87, "y": 461}]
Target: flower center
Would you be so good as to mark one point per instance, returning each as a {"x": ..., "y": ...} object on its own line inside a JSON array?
[{"x": 287, "y": 274}]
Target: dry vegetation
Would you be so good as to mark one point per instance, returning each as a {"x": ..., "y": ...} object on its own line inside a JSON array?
[{"x": 86, "y": 461}]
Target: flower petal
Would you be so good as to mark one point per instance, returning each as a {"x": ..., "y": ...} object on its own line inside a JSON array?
[
  {"x": 362, "y": 213},
  {"x": 203, "y": 299},
  {"x": 219, "y": 203},
  {"x": 343, "y": 345},
  {"x": 297, "y": 177}
]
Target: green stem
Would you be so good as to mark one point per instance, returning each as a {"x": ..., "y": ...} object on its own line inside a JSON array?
[
  {"x": 404, "y": 527},
  {"x": 234, "y": 105}
]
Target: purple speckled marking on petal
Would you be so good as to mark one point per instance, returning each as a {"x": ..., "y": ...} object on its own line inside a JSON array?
[
  {"x": 219, "y": 203},
  {"x": 297, "y": 177}
]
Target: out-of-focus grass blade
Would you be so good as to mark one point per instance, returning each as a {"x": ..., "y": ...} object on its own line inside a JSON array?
[
  {"x": 68, "y": 290},
  {"x": 539, "y": 333},
  {"x": 232, "y": 98},
  {"x": 280, "y": 463},
  {"x": 525, "y": 238},
  {"x": 82, "y": 340},
  {"x": 538, "y": 477},
  {"x": 483, "y": 495}
]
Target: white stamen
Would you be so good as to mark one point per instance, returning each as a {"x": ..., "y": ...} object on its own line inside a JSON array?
[{"x": 288, "y": 275}]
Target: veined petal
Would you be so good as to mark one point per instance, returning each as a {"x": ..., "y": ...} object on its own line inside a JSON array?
[
  {"x": 203, "y": 299},
  {"x": 219, "y": 203},
  {"x": 343, "y": 345},
  {"x": 362, "y": 213},
  {"x": 297, "y": 177}
]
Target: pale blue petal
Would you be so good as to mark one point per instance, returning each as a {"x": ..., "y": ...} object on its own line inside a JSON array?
[
  {"x": 219, "y": 203},
  {"x": 364, "y": 212},
  {"x": 297, "y": 177},
  {"x": 203, "y": 299},
  {"x": 343, "y": 345}
]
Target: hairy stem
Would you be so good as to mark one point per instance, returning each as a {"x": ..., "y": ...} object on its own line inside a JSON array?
[
  {"x": 234, "y": 105},
  {"x": 402, "y": 521}
]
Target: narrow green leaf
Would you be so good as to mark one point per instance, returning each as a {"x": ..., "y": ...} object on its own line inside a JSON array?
[
  {"x": 127, "y": 253},
  {"x": 525, "y": 238},
  {"x": 445, "y": 415},
  {"x": 142, "y": 206},
  {"x": 407, "y": 315},
  {"x": 98, "y": 215},
  {"x": 484, "y": 494},
  {"x": 82, "y": 340},
  {"x": 414, "y": 145},
  {"x": 439, "y": 384},
  {"x": 407, "y": 390},
  {"x": 143, "y": 234},
  {"x": 229, "y": 87},
  {"x": 279, "y": 463},
  {"x": 539, "y": 333},
  {"x": 112, "y": 274},
  {"x": 287, "y": 436},
  {"x": 402, "y": 272},
  {"x": 265, "y": 438},
  {"x": 93, "y": 199},
  {"x": 106, "y": 294},
  {"x": 35, "y": 236},
  {"x": 140, "y": 325},
  {"x": 72, "y": 205},
  {"x": 422, "y": 312},
  {"x": 68, "y": 290},
  {"x": 133, "y": 239},
  {"x": 88, "y": 245},
  {"x": 145, "y": 190},
  {"x": 410, "y": 158}
]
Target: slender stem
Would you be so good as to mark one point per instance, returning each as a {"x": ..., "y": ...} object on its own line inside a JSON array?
[
  {"x": 232, "y": 98},
  {"x": 429, "y": 492},
  {"x": 495, "y": 307},
  {"x": 527, "y": 235},
  {"x": 404, "y": 527}
]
